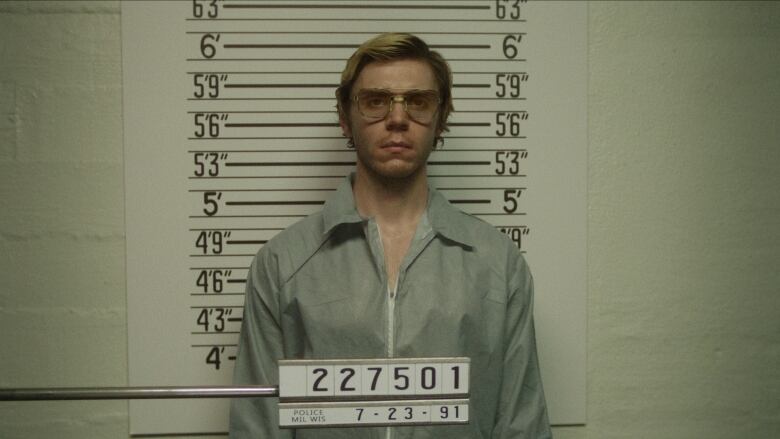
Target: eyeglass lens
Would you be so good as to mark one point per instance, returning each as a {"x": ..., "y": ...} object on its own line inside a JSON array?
[{"x": 421, "y": 105}]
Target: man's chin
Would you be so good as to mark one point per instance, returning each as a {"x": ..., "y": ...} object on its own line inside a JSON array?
[{"x": 396, "y": 171}]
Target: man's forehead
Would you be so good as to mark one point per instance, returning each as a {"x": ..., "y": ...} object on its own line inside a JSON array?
[{"x": 397, "y": 74}]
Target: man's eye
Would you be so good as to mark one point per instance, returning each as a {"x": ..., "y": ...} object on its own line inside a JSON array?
[
  {"x": 417, "y": 101},
  {"x": 375, "y": 101}
]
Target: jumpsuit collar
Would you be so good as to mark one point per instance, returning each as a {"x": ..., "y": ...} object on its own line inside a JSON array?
[{"x": 444, "y": 218}]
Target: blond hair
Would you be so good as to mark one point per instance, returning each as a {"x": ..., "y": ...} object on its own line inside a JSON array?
[{"x": 395, "y": 46}]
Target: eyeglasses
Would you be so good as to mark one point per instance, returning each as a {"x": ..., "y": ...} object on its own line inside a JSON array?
[{"x": 420, "y": 105}]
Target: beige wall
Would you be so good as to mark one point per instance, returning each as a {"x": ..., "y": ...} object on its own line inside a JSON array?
[{"x": 683, "y": 211}]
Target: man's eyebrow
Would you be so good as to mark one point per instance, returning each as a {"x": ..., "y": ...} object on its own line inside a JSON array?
[{"x": 392, "y": 91}]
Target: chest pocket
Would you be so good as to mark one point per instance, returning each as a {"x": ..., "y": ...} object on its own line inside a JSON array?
[
  {"x": 337, "y": 319},
  {"x": 460, "y": 316}
]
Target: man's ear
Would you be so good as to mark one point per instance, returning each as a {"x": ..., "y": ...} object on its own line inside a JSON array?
[{"x": 439, "y": 128}]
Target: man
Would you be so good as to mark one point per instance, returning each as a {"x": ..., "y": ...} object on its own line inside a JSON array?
[{"x": 389, "y": 268}]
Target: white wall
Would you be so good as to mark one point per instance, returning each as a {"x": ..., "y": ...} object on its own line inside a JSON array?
[{"x": 683, "y": 198}]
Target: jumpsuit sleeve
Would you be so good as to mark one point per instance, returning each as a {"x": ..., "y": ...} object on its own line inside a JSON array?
[
  {"x": 259, "y": 347},
  {"x": 522, "y": 411}
]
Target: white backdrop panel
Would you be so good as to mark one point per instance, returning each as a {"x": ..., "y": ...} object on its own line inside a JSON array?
[{"x": 231, "y": 136}]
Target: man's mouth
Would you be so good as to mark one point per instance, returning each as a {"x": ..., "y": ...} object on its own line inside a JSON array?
[{"x": 396, "y": 144}]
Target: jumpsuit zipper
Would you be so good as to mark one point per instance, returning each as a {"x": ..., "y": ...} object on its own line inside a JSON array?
[
  {"x": 391, "y": 330},
  {"x": 391, "y": 294}
]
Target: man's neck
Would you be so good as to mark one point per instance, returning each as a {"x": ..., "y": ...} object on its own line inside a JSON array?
[
  {"x": 392, "y": 202},
  {"x": 397, "y": 206}
]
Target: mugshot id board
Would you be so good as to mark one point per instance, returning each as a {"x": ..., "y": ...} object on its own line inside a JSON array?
[
  {"x": 373, "y": 392},
  {"x": 231, "y": 136}
]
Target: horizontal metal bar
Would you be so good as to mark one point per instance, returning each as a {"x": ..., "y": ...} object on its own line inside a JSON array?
[{"x": 70, "y": 393}]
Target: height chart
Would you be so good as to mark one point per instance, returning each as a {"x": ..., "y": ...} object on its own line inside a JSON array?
[{"x": 231, "y": 135}]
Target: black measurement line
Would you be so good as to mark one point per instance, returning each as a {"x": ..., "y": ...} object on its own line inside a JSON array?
[
  {"x": 216, "y": 294},
  {"x": 221, "y": 255},
  {"x": 503, "y": 214},
  {"x": 290, "y": 46},
  {"x": 298, "y": 72},
  {"x": 451, "y": 60},
  {"x": 343, "y": 150},
  {"x": 410, "y": 20},
  {"x": 236, "y": 281},
  {"x": 487, "y": 137},
  {"x": 261, "y": 99},
  {"x": 266, "y": 150},
  {"x": 519, "y": 98},
  {"x": 275, "y": 203},
  {"x": 341, "y": 177},
  {"x": 281, "y": 32},
  {"x": 479, "y": 176},
  {"x": 333, "y": 86},
  {"x": 456, "y": 163},
  {"x": 282, "y": 125},
  {"x": 469, "y": 201},
  {"x": 408, "y": 1},
  {"x": 214, "y": 333},
  {"x": 469, "y": 124},
  {"x": 248, "y": 242},
  {"x": 246, "y": 72},
  {"x": 342, "y": 46},
  {"x": 451, "y": 1},
  {"x": 286, "y": 216},
  {"x": 353, "y": 6},
  {"x": 280, "y": 86},
  {"x": 266, "y": 138},
  {"x": 339, "y": 137},
  {"x": 492, "y": 111},
  {"x": 214, "y": 345},
  {"x": 350, "y": 163},
  {"x": 471, "y": 189},
  {"x": 333, "y": 112},
  {"x": 234, "y": 319},
  {"x": 246, "y": 216},
  {"x": 272, "y": 112},
  {"x": 234, "y": 229},
  {"x": 265, "y": 216},
  {"x": 257, "y": 190},
  {"x": 245, "y": 164},
  {"x": 315, "y": 98}
]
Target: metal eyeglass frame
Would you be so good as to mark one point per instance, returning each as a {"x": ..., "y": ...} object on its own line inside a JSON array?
[{"x": 401, "y": 98}]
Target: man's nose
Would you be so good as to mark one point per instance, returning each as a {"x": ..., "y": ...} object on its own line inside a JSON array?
[{"x": 397, "y": 112}]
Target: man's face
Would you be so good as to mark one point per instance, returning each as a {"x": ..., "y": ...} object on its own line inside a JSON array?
[{"x": 395, "y": 146}]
